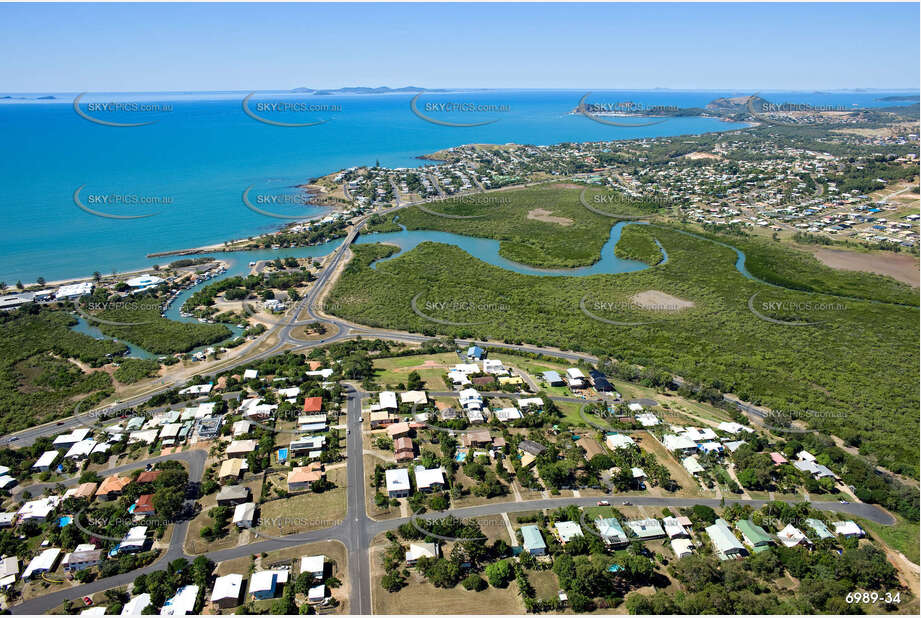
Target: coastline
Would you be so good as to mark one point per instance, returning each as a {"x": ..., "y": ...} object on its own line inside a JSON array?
[{"x": 313, "y": 188}]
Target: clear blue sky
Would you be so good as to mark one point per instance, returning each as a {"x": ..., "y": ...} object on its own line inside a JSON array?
[{"x": 106, "y": 47}]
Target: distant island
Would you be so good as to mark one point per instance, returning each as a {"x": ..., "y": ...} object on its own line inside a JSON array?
[
  {"x": 367, "y": 90},
  {"x": 46, "y": 97},
  {"x": 900, "y": 97}
]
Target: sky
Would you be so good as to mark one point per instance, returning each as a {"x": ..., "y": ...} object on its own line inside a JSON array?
[{"x": 182, "y": 47}]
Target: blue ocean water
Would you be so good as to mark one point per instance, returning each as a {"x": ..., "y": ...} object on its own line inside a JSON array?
[{"x": 199, "y": 157}]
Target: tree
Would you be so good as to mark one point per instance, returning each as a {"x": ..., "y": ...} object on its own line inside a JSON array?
[
  {"x": 499, "y": 574},
  {"x": 414, "y": 381}
]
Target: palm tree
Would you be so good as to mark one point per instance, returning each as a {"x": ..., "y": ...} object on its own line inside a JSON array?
[{"x": 97, "y": 276}]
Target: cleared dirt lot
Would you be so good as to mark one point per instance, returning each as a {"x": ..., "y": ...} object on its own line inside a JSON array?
[{"x": 901, "y": 267}]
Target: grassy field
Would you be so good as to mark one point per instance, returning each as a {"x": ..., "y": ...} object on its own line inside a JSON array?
[
  {"x": 306, "y": 510},
  {"x": 902, "y": 537},
  {"x": 392, "y": 371},
  {"x": 861, "y": 357}
]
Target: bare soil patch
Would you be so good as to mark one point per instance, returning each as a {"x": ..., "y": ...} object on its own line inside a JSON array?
[
  {"x": 701, "y": 155},
  {"x": 660, "y": 301},
  {"x": 539, "y": 214},
  {"x": 900, "y": 267}
]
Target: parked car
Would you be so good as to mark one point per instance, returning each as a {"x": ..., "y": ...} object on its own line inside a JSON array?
[{"x": 603, "y": 503}]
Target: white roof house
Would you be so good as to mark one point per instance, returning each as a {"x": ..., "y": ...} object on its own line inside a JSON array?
[
  {"x": 42, "y": 563},
  {"x": 227, "y": 587},
  {"x": 696, "y": 434},
  {"x": 316, "y": 594},
  {"x": 805, "y": 456},
  {"x": 792, "y": 536},
  {"x": 466, "y": 368},
  {"x": 678, "y": 443},
  {"x": 458, "y": 378},
  {"x": 38, "y": 509},
  {"x": 425, "y": 479},
  {"x": 45, "y": 461},
  {"x": 672, "y": 528},
  {"x": 529, "y": 401},
  {"x": 264, "y": 582},
  {"x": 575, "y": 373},
  {"x": 388, "y": 400},
  {"x": 182, "y": 604},
  {"x": 682, "y": 547},
  {"x": 618, "y": 440},
  {"x": 568, "y": 530},
  {"x": 414, "y": 397},
  {"x": 69, "y": 439},
  {"x": 249, "y": 374},
  {"x": 135, "y": 538},
  {"x": 197, "y": 389},
  {"x": 81, "y": 449},
  {"x": 397, "y": 479},
  {"x": 734, "y": 428},
  {"x": 648, "y": 419},
  {"x": 136, "y": 605},
  {"x": 421, "y": 550},
  {"x": 847, "y": 528},
  {"x": 243, "y": 514},
  {"x": 469, "y": 397},
  {"x": 313, "y": 565}
]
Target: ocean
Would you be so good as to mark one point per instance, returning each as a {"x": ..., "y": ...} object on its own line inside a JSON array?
[{"x": 193, "y": 163}]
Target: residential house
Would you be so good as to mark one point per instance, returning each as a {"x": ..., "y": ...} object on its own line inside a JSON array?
[
  {"x": 646, "y": 529},
  {"x": 380, "y": 418},
  {"x": 682, "y": 547},
  {"x": 134, "y": 541},
  {"x": 244, "y": 514},
  {"x": 470, "y": 399},
  {"x": 403, "y": 449},
  {"x": 45, "y": 562},
  {"x": 754, "y": 536},
  {"x": 397, "y": 480},
  {"x": 612, "y": 533},
  {"x": 233, "y": 495},
  {"x": 312, "y": 446},
  {"x": 78, "y": 559},
  {"x": 137, "y": 605},
  {"x": 316, "y": 594},
  {"x": 44, "y": 463},
  {"x": 567, "y": 530},
  {"x": 314, "y": 565},
  {"x": 182, "y": 604},
  {"x": 313, "y": 405},
  {"x": 678, "y": 444},
  {"x": 792, "y": 536},
  {"x": 112, "y": 486},
  {"x": 618, "y": 440},
  {"x": 848, "y": 529},
  {"x": 420, "y": 550},
  {"x": 552, "y": 378},
  {"x": 429, "y": 480},
  {"x": 398, "y": 430},
  {"x": 533, "y": 541},
  {"x": 575, "y": 378},
  {"x": 387, "y": 400},
  {"x": 692, "y": 465},
  {"x": 725, "y": 543},
  {"x": 143, "y": 506},
  {"x": 232, "y": 469},
  {"x": 674, "y": 529},
  {"x": 240, "y": 448},
  {"x": 226, "y": 592},
  {"x": 304, "y": 477},
  {"x": 821, "y": 530},
  {"x": 264, "y": 584}
]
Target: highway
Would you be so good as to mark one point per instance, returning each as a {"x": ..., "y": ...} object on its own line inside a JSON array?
[{"x": 357, "y": 529}]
